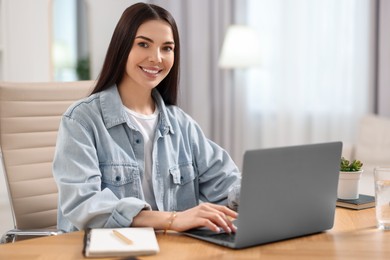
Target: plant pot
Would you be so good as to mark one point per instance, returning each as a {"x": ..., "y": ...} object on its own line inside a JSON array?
[{"x": 348, "y": 188}]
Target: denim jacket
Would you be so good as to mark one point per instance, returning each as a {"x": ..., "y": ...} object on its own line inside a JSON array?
[{"x": 99, "y": 164}]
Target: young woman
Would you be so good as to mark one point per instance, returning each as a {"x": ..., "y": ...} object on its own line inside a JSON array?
[{"x": 127, "y": 155}]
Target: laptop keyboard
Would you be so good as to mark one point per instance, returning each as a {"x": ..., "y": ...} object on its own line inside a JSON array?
[
  {"x": 224, "y": 237},
  {"x": 220, "y": 236}
]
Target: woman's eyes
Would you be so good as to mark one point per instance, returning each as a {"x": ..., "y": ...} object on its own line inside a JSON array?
[
  {"x": 168, "y": 48},
  {"x": 143, "y": 44},
  {"x": 146, "y": 45}
]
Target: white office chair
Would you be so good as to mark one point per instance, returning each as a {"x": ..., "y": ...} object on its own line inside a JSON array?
[{"x": 29, "y": 119}]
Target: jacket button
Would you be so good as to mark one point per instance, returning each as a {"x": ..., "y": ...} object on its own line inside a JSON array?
[
  {"x": 137, "y": 141},
  {"x": 118, "y": 178}
]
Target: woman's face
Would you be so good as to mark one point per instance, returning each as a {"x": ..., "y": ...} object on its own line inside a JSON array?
[{"x": 151, "y": 56}]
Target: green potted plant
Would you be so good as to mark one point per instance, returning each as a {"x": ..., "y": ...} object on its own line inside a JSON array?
[{"x": 349, "y": 179}]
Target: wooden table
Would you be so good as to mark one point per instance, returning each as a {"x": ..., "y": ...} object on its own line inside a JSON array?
[{"x": 354, "y": 236}]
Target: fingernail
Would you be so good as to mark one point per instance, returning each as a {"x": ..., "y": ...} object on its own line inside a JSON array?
[{"x": 235, "y": 228}]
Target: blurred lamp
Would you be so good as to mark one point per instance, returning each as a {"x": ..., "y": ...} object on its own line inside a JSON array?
[{"x": 241, "y": 48}]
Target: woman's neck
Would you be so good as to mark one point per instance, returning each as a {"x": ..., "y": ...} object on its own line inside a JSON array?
[{"x": 137, "y": 99}]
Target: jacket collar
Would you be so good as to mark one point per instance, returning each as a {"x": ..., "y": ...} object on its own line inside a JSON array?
[{"x": 114, "y": 114}]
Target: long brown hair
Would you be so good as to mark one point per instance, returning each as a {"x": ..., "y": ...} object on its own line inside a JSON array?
[{"x": 120, "y": 46}]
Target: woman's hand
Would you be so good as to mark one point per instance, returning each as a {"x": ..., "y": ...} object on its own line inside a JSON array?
[{"x": 207, "y": 215}]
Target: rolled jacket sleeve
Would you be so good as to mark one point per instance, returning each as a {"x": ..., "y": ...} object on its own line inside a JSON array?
[
  {"x": 82, "y": 201},
  {"x": 219, "y": 177}
]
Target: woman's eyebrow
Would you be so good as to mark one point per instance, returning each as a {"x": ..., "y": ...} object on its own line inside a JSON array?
[{"x": 150, "y": 40}]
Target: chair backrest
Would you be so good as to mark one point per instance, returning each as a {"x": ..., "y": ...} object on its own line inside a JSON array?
[{"x": 29, "y": 119}]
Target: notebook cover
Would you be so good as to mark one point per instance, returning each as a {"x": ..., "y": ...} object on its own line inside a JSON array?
[
  {"x": 363, "y": 202},
  {"x": 102, "y": 242}
]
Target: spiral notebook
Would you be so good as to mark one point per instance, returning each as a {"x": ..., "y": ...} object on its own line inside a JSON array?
[{"x": 112, "y": 242}]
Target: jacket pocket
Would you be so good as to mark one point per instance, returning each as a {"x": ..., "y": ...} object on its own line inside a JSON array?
[
  {"x": 182, "y": 174},
  {"x": 183, "y": 189},
  {"x": 122, "y": 179}
]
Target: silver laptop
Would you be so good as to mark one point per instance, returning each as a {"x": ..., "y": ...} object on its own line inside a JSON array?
[{"x": 286, "y": 192}]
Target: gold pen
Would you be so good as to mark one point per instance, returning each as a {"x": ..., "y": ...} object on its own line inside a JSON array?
[{"x": 122, "y": 237}]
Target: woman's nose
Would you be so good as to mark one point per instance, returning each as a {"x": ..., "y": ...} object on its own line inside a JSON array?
[{"x": 155, "y": 56}]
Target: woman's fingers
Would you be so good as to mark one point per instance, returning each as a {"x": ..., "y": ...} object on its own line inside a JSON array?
[
  {"x": 211, "y": 216},
  {"x": 220, "y": 216},
  {"x": 218, "y": 220}
]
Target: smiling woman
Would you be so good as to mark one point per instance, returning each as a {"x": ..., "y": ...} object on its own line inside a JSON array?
[
  {"x": 127, "y": 155},
  {"x": 149, "y": 62}
]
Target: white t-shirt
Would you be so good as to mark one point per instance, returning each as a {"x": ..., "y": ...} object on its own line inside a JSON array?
[{"x": 146, "y": 124}]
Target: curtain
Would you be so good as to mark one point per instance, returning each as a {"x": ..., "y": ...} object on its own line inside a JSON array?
[
  {"x": 317, "y": 75},
  {"x": 383, "y": 91}
]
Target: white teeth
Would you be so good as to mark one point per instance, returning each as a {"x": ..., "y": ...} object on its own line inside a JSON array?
[{"x": 150, "y": 71}]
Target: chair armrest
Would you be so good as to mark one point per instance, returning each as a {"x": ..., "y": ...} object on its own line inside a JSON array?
[{"x": 13, "y": 234}]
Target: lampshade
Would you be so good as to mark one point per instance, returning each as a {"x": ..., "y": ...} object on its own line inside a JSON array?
[{"x": 241, "y": 48}]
